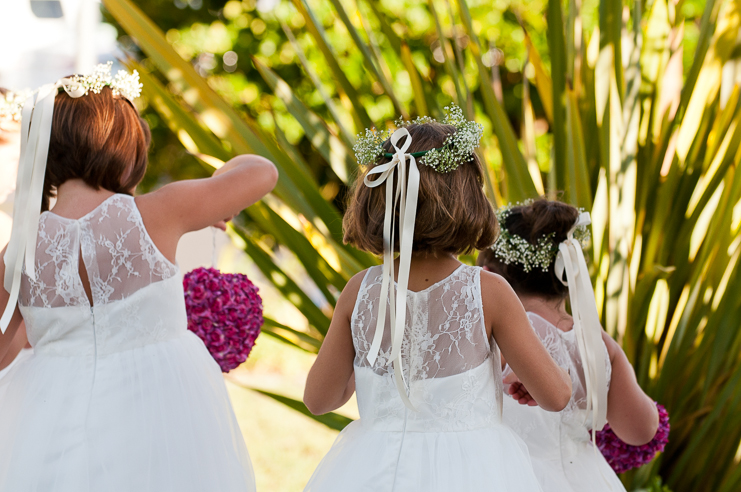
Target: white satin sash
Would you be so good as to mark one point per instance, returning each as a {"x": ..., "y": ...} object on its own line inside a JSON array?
[
  {"x": 36, "y": 120},
  {"x": 407, "y": 190},
  {"x": 587, "y": 327}
]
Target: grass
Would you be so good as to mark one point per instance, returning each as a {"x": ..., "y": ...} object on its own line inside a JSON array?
[{"x": 284, "y": 445}]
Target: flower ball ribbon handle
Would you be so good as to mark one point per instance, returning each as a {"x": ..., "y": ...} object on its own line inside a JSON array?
[
  {"x": 587, "y": 327},
  {"x": 36, "y": 120},
  {"x": 407, "y": 191}
]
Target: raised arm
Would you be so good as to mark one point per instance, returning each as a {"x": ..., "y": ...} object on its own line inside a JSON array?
[
  {"x": 6, "y": 339},
  {"x": 546, "y": 382},
  {"x": 330, "y": 382},
  {"x": 194, "y": 204},
  {"x": 631, "y": 413}
]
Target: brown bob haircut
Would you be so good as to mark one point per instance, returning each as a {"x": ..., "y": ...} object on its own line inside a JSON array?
[
  {"x": 453, "y": 214},
  {"x": 98, "y": 138},
  {"x": 531, "y": 222}
]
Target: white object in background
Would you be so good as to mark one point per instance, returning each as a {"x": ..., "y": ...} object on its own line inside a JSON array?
[{"x": 46, "y": 37}]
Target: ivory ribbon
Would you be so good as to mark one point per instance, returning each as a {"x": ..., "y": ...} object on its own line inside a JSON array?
[
  {"x": 407, "y": 190},
  {"x": 587, "y": 327},
  {"x": 36, "y": 119}
]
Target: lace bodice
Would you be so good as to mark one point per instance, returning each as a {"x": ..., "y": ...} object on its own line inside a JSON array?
[
  {"x": 136, "y": 292},
  {"x": 554, "y": 432},
  {"x": 119, "y": 257},
  {"x": 452, "y": 370}
]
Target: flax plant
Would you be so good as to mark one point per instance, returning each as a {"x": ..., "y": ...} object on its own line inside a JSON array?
[{"x": 649, "y": 147}]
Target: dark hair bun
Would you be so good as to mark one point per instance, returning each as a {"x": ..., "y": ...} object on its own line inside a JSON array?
[{"x": 531, "y": 222}]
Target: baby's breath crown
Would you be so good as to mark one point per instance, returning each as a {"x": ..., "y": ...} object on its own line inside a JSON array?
[
  {"x": 457, "y": 149},
  {"x": 512, "y": 248},
  {"x": 11, "y": 104},
  {"x": 123, "y": 84}
]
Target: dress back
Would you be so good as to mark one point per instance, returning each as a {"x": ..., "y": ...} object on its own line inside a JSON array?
[
  {"x": 137, "y": 298},
  {"x": 451, "y": 369}
]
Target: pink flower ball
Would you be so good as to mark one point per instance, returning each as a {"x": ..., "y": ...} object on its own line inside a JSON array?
[
  {"x": 622, "y": 457},
  {"x": 225, "y": 311}
]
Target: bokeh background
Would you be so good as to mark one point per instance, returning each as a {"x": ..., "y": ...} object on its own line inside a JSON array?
[{"x": 628, "y": 109}]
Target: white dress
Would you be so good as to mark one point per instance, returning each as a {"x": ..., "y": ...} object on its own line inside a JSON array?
[
  {"x": 560, "y": 442},
  {"x": 118, "y": 396},
  {"x": 454, "y": 441}
]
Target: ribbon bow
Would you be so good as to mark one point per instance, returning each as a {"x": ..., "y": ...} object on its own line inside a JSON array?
[
  {"x": 407, "y": 201},
  {"x": 36, "y": 119},
  {"x": 587, "y": 327}
]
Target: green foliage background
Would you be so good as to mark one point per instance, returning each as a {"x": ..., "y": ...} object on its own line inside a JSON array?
[{"x": 631, "y": 111}]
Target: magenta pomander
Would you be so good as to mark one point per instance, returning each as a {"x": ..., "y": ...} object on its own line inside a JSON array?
[
  {"x": 622, "y": 457},
  {"x": 225, "y": 311}
]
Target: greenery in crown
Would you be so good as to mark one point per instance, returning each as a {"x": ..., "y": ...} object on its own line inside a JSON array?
[
  {"x": 513, "y": 248},
  {"x": 458, "y": 148}
]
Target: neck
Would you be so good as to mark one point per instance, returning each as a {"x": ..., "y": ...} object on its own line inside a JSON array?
[
  {"x": 421, "y": 260},
  {"x": 430, "y": 261},
  {"x": 552, "y": 310},
  {"x": 75, "y": 192}
]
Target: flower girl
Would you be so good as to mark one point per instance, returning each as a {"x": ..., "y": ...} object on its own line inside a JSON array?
[
  {"x": 423, "y": 352},
  {"x": 539, "y": 254},
  {"x": 11, "y": 104},
  {"x": 119, "y": 395}
]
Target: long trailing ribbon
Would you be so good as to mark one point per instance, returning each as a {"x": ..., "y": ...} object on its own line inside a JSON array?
[
  {"x": 587, "y": 327},
  {"x": 36, "y": 120},
  {"x": 407, "y": 190}
]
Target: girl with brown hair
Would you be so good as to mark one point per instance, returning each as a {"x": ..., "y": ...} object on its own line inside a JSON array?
[
  {"x": 119, "y": 395},
  {"x": 539, "y": 254},
  {"x": 418, "y": 337}
]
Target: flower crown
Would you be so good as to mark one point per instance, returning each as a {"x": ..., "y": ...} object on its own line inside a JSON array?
[
  {"x": 123, "y": 84},
  {"x": 512, "y": 248},
  {"x": 458, "y": 146},
  {"x": 11, "y": 105}
]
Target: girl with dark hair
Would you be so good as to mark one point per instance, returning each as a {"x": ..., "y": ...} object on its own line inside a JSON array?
[
  {"x": 418, "y": 338},
  {"x": 539, "y": 254},
  {"x": 119, "y": 395}
]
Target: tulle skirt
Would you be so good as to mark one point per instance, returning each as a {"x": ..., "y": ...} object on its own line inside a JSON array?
[
  {"x": 584, "y": 471},
  {"x": 491, "y": 459},
  {"x": 150, "y": 419}
]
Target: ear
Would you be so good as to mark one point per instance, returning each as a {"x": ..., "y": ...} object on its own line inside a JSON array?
[{"x": 485, "y": 268}]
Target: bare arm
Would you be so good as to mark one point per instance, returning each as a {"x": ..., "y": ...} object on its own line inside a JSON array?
[
  {"x": 194, "y": 204},
  {"x": 631, "y": 413},
  {"x": 547, "y": 383},
  {"x": 7, "y": 338},
  {"x": 330, "y": 382}
]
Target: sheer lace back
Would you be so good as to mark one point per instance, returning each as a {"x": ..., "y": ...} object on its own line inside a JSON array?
[
  {"x": 119, "y": 257},
  {"x": 562, "y": 346},
  {"x": 452, "y": 370},
  {"x": 445, "y": 333},
  {"x": 136, "y": 292}
]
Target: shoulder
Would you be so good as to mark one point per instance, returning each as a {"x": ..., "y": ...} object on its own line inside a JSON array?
[
  {"x": 349, "y": 295},
  {"x": 613, "y": 349},
  {"x": 494, "y": 285},
  {"x": 353, "y": 285}
]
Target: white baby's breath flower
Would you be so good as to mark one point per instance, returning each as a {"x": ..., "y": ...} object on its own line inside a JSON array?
[
  {"x": 511, "y": 248},
  {"x": 124, "y": 84},
  {"x": 457, "y": 149},
  {"x": 11, "y": 104}
]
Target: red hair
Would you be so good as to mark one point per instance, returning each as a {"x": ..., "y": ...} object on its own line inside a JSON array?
[{"x": 98, "y": 138}]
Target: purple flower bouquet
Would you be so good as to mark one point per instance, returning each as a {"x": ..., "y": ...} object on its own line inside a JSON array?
[
  {"x": 225, "y": 311},
  {"x": 622, "y": 457}
]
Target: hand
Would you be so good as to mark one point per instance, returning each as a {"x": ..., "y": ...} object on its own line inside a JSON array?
[
  {"x": 221, "y": 225},
  {"x": 518, "y": 391}
]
